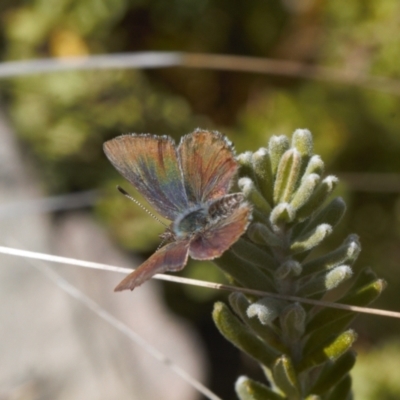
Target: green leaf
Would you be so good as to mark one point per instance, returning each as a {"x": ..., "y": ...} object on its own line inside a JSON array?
[
  {"x": 289, "y": 269},
  {"x": 248, "y": 252},
  {"x": 365, "y": 277},
  {"x": 333, "y": 372},
  {"x": 312, "y": 239},
  {"x": 246, "y": 274},
  {"x": 287, "y": 176},
  {"x": 326, "y": 281},
  {"x": 266, "y": 309},
  {"x": 325, "y": 333},
  {"x": 281, "y": 215},
  {"x": 293, "y": 319},
  {"x": 320, "y": 194},
  {"x": 285, "y": 377},
  {"x": 245, "y": 165},
  {"x": 331, "y": 214},
  {"x": 342, "y": 391},
  {"x": 247, "y": 389},
  {"x": 252, "y": 194},
  {"x": 305, "y": 191},
  {"x": 315, "y": 166},
  {"x": 365, "y": 295},
  {"x": 261, "y": 234},
  {"x": 360, "y": 296},
  {"x": 302, "y": 141},
  {"x": 328, "y": 351},
  {"x": 347, "y": 253},
  {"x": 277, "y": 146},
  {"x": 364, "y": 290},
  {"x": 330, "y": 322},
  {"x": 241, "y": 336},
  {"x": 268, "y": 333},
  {"x": 262, "y": 168}
]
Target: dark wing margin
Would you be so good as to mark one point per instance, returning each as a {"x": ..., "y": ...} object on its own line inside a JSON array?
[
  {"x": 150, "y": 164},
  {"x": 172, "y": 257},
  {"x": 208, "y": 165}
]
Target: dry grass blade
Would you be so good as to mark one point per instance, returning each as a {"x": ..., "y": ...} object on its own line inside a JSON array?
[
  {"x": 160, "y": 59},
  {"x": 195, "y": 282}
]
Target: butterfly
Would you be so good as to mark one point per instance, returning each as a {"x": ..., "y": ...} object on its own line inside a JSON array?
[{"x": 189, "y": 185}]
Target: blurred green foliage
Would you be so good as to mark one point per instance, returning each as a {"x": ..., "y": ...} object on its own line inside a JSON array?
[
  {"x": 65, "y": 117},
  {"x": 373, "y": 375}
]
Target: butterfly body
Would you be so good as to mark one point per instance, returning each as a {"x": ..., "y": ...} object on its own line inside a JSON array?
[
  {"x": 188, "y": 224},
  {"x": 189, "y": 185}
]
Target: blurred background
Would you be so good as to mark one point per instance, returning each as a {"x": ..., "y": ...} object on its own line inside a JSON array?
[{"x": 53, "y": 126}]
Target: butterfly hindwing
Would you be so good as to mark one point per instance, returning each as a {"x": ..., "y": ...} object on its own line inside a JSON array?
[
  {"x": 230, "y": 221},
  {"x": 151, "y": 165},
  {"x": 171, "y": 257}
]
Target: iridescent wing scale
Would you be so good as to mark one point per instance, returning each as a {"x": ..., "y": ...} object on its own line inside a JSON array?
[
  {"x": 150, "y": 164},
  {"x": 208, "y": 165}
]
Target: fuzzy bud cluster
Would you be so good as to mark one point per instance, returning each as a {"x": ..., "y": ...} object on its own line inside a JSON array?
[{"x": 305, "y": 351}]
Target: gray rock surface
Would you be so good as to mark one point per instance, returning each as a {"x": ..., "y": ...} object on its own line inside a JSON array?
[{"x": 52, "y": 346}]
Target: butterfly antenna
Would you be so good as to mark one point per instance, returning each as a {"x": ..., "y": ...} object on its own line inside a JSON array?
[
  {"x": 126, "y": 194},
  {"x": 161, "y": 244}
]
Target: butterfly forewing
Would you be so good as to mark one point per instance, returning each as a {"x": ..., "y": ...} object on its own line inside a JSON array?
[
  {"x": 151, "y": 165},
  {"x": 208, "y": 165},
  {"x": 171, "y": 257}
]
